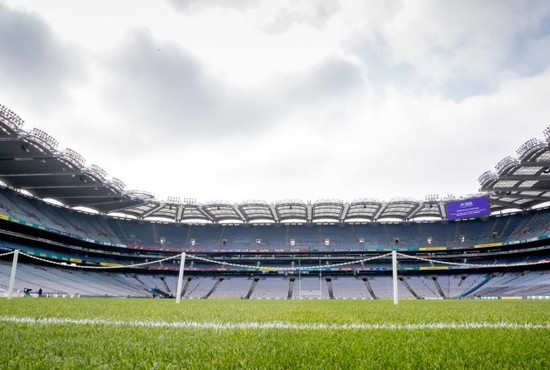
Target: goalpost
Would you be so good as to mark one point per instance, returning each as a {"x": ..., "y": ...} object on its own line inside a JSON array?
[
  {"x": 299, "y": 270},
  {"x": 394, "y": 275},
  {"x": 180, "y": 278},
  {"x": 13, "y": 272},
  {"x": 182, "y": 256}
]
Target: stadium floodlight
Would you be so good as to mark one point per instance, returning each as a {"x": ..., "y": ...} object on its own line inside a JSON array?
[
  {"x": 11, "y": 118},
  {"x": 529, "y": 147},
  {"x": 431, "y": 198},
  {"x": 43, "y": 138},
  {"x": 505, "y": 164},
  {"x": 190, "y": 201},
  {"x": 173, "y": 200},
  {"x": 98, "y": 172},
  {"x": 117, "y": 184},
  {"x": 546, "y": 133},
  {"x": 75, "y": 156},
  {"x": 487, "y": 177}
]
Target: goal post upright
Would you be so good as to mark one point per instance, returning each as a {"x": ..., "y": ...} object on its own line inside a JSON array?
[
  {"x": 180, "y": 278},
  {"x": 394, "y": 274},
  {"x": 13, "y": 272}
]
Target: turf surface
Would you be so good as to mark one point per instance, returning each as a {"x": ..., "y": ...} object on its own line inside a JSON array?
[{"x": 74, "y": 345}]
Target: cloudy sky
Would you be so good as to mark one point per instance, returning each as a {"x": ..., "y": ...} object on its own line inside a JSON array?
[{"x": 270, "y": 100}]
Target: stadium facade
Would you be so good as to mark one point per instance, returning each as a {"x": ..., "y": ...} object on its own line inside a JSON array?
[{"x": 288, "y": 249}]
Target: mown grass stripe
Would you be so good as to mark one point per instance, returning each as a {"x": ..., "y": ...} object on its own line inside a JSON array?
[{"x": 274, "y": 325}]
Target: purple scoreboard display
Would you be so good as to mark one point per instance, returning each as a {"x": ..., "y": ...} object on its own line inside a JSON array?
[{"x": 468, "y": 208}]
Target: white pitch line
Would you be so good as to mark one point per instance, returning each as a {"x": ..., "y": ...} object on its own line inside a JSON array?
[{"x": 273, "y": 325}]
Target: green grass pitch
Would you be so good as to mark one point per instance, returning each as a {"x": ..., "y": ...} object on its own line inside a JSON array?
[{"x": 113, "y": 343}]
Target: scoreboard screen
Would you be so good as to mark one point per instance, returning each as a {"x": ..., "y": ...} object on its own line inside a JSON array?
[{"x": 468, "y": 208}]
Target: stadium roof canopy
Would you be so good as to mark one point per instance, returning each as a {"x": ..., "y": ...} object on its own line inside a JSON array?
[
  {"x": 523, "y": 181},
  {"x": 31, "y": 161}
]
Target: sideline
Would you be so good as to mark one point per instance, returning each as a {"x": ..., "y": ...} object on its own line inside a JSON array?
[{"x": 273, "y": 325}]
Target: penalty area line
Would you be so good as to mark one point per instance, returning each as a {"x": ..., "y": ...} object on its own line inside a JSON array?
[{"x": 273, "y": 325}]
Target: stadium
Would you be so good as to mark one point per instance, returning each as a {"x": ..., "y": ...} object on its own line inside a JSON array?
[
  {"x": 493, "y": 244},
  {"x": 253, "y": 184},
  {"x": 73, "y": 235}
]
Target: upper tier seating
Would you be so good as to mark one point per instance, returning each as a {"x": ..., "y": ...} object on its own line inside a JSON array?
[{"x": 316, "y": 237}]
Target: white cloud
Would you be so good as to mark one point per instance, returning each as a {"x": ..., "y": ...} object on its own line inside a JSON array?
[
  {"x": 262, "y": 100},
  {"x": 457, "y": 49},
  {"x": 36, "y": 66},
  {"x": 197, "y": 5}
]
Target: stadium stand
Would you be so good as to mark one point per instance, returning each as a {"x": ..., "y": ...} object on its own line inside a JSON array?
[
  {"x": 454, "y": 286},
  {"x": 309, "y": 287},
  {"x": 272, "y": 288},
  {"x": 256, "y": 250},
  {"x": 421, "y": 287},
  {"x": 382, "y": 288},
  {"x": 319, "y": 237},
  {"x": 350, "y": 288},
  {"x": 516, "y": 285},
  {"x": 200, "y": 287},
  {"x": 59, "y": 282},
  {"x": 55, "y": 281},
  {"x": 233, "y": 287}
]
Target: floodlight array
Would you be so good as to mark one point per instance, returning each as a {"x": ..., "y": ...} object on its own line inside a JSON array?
[
  {"x": 505, "y": 164},
  {"x": 74, "y": 157},
  {"x": 42, "y": 137},
  {"x": 529, "y": 147},
  {"x": 486, "y": 177},
  {"x": 523, "y": 180},
  {"x": 173, "y": 200},
  {"x": 117, "y": 184},
  {"x": 98, "y": 172},
  {"x": 11, "y": 117}
]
